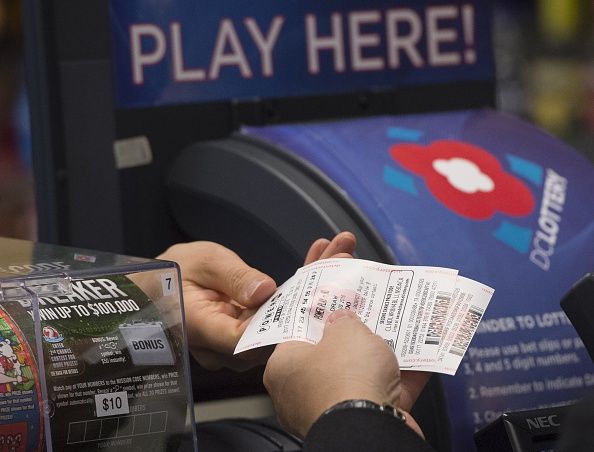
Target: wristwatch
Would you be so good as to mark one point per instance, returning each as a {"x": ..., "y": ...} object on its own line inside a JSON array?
[{"x": 385, "y": 408}]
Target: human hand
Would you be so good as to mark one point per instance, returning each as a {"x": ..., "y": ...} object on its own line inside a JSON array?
[
  {"x": 342, "y": 245},
  {"x": 221, "y": 294},
  {"x": 349, "y": 362}
]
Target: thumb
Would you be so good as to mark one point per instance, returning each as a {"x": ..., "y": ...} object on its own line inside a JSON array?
[
  {"x": 342, "y": 322},
  {"x": 216, "y": 267},
  {"x": 340, "y": 314}
]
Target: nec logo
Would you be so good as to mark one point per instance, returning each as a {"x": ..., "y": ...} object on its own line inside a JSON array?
[{"x": 543, "y": 422}]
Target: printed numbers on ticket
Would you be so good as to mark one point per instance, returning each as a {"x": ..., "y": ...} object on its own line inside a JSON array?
[{"x": 424, "y": 314}]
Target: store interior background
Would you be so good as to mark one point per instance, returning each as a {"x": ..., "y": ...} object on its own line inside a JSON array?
[{"x": 544, "y": 52}]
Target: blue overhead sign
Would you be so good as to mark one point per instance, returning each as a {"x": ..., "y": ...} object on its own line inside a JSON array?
[{"x": 168, "y": 52}]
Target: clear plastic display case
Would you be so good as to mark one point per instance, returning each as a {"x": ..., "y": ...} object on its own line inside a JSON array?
[{"x": 93, "y": 352}]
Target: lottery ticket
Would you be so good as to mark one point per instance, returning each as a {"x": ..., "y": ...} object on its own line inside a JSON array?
[
  {"x": 413, "y": 308},
  {"x": 468, "y": 305}
]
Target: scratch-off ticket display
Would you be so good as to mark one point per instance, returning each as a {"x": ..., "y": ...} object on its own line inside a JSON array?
[
  {"x": 114, "y": 370},
  {"x": 21, "y": 426}
]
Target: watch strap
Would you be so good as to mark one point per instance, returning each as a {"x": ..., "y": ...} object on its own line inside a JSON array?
[{"x": 385, "y": 408}]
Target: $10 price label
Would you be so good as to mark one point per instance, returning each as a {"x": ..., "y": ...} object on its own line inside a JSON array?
[{"x": 112, "y": 403}]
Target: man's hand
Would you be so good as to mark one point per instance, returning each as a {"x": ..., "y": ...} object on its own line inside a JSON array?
[
  {"x": 221, "y": 294},
  {"x": 350, "y": 362}
]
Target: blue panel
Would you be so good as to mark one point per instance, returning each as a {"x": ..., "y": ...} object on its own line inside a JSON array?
[
  {"x": 181, "y": 51},
  {"x": 528, "y": 233}
]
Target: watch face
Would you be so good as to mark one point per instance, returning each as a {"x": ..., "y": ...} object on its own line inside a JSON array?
[{"x": 21, "y": 424}]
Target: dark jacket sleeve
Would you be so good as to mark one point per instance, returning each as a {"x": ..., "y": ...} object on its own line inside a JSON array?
[{"x": 358, "y": 429}]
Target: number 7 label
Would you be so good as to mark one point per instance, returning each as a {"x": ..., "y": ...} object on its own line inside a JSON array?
[{"x": 168, "y": 283}]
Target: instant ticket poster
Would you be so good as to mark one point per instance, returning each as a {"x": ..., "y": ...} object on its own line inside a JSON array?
[
  {"x": 20, "y": 393},
  {"x": 113, "y": 369}
]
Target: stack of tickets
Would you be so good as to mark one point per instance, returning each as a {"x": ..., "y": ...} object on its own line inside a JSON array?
[{"x": 427, "y": 315}]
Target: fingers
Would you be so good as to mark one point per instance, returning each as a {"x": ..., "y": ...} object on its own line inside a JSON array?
[
  {"x": 342, "y": 244},
  {"x": 216, "y": 326},
  {"x": 282, "y": 360},
  {"x": 346, "y": 327},
  {"x": 342, "y": 326},
  {"x": 349, "y": 362},
  {"x": 216, "y": 267},
  {"x": 225, "y": 271},
  {"x": 283, "y": 352},
  {"x": 216, "y": 330},
  {"x": 341, "y": 322},
  {"x": 316, "y": 250},
  {"x": 340, "y": 314}
]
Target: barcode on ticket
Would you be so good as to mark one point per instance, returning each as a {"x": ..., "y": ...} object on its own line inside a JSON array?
[
  {"x": 466, "y": 330},
  {"x": 438, "y": 317}
]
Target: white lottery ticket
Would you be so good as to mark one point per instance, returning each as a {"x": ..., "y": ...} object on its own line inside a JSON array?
[
  {"x": 469, "y": 302},
  {"x": 410, "y": 307}
]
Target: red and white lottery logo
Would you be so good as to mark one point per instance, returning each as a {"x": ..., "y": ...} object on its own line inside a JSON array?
[{"x": 465, "y": 178}]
